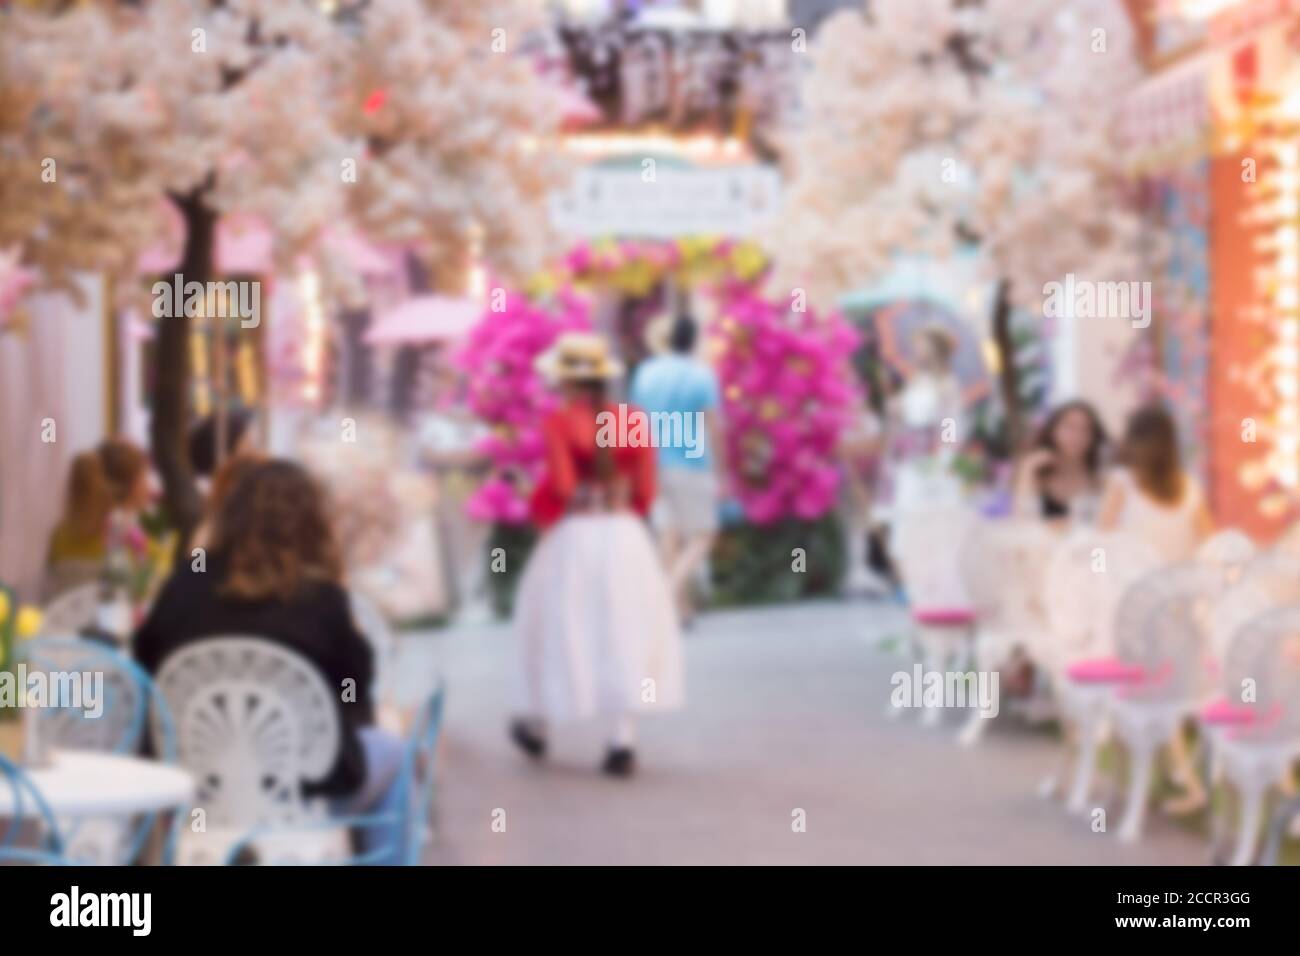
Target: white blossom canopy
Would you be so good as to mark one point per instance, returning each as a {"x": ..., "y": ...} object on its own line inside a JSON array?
[
  {"x": 930, "y": 123},
  {"x": 263, "y": 104}
]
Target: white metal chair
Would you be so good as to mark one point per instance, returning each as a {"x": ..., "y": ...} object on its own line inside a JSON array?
[
  {"x": 1162, "y": 630},
  {"x": 927, "y": 545},
  {"x": 1086, "y": 575},
  {"x": 254, "y": 720},
  {"x": 1229, "y": 551},
  {"x": 1257, "y": 751},
  {"x": 1268, "y": 581},
  {"x": 72, "y": 611},
  {"x": 1003, "y": 566}
]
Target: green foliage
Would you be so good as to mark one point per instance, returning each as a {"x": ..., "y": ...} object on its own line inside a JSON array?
[{"x": 752, "y": 564}]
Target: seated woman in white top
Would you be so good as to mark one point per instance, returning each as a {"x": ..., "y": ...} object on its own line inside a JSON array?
[{"x": 1152, "y": 497}]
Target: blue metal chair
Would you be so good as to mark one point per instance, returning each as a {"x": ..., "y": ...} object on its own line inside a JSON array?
[
  {"x": 416, "y": 799},
  {"x": 130, "y": 696},
  {"x": 28, "y": 804}
]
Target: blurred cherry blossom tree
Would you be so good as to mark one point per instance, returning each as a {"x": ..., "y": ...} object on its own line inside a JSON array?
[
  {"x": 933, "y": 125},
  {"x": 413, "y": 120}
]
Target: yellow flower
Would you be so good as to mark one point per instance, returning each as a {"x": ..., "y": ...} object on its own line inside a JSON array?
[
  {"x": 747, "y": 260},
  {"x": 635, "y": 278},
  {"x": 692, "y": 247},
  {"x": 4, "y": 606},
  {"x": 29, "y": 622},
  {"x": 542, "y": 284}
]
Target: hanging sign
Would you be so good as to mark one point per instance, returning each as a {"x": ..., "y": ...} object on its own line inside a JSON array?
[{"x": 664, "y": 203}]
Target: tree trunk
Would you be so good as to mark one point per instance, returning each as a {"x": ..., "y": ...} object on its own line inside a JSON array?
[
  {"x": 170, "y": 419},
  {"x": 1008, "y": 374}
]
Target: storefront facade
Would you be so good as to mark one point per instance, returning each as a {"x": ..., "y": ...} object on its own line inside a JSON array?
[{"x": 1213, "y": 133}]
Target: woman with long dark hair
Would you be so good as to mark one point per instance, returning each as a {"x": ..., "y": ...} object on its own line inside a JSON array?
[
  {"x": 597, "y": 631},
  {"x": 1061, "y": 478}
]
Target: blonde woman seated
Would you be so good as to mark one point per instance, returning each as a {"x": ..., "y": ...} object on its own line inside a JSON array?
[
  {"x": 107, "y": 490},
  {"x": 1152, "y": 497}
]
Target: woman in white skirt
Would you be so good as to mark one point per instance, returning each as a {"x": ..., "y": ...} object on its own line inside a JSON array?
[{"x": 597, "y": 630}]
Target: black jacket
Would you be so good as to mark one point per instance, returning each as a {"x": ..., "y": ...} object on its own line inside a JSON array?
[{"x": 317, "y": 623}]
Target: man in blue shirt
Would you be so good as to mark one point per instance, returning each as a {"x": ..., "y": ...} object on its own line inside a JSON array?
[{"x": 679, "y": 393}]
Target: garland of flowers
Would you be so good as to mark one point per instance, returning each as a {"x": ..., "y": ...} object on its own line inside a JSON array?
[
  {"x": 504, "y": 389},
  {"x": 788, "y": 392},
  {"x": 636, "y": 267}
]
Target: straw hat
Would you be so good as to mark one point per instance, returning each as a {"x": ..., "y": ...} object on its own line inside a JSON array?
[{"x": 579, "y": 357}]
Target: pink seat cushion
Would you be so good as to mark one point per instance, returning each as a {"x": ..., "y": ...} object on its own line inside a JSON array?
[
  {"x": 1105, "y": 670},
  {"x": 1244, "y": 719},
  {"x": 1224, "y": 711},
  {"x": 944, "y": 616}
]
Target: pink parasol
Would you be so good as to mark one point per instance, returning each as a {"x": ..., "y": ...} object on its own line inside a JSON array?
[
  {"x": 361, "y": 254},
  {"x": 424, "y": 319}
]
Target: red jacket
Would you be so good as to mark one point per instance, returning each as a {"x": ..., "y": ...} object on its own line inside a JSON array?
[{"x": 570, "y": 436}]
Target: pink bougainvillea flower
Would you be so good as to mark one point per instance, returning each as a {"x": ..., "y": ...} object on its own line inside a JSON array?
[
  {"x": 788, "y": 392},
  {"x": 506, "y": 392}
]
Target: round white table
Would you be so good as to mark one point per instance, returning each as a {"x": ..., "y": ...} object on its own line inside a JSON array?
[{"x": 82, "y": 783}]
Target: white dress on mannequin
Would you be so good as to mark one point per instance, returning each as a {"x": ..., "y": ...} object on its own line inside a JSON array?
[{"x": 926, "y": 435}]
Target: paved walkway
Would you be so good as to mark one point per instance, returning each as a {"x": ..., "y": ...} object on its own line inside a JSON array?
[{"x": 786, "y": 711}]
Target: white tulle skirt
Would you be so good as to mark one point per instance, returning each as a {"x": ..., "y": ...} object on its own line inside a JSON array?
[{"x": 595, "y": 623}]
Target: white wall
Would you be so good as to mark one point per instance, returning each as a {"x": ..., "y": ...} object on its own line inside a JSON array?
[
  {"x": 54, "y": 371},
  {"x": 1085, "y": 354}
]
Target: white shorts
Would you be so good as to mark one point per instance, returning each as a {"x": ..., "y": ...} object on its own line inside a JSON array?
[{"x": 687, "y": 502}]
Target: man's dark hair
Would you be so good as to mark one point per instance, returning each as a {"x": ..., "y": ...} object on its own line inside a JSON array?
[{"x": 682, "y": 337}]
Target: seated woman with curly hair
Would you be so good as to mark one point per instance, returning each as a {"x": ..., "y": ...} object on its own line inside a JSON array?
[{"x": 273, "y": 571}]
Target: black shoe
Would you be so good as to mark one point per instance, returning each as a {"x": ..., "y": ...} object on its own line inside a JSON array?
[
  {"x": 530, "y": 743},
  {"x": 246, "y": 856},
  {"x": 619, "y": 762}
]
